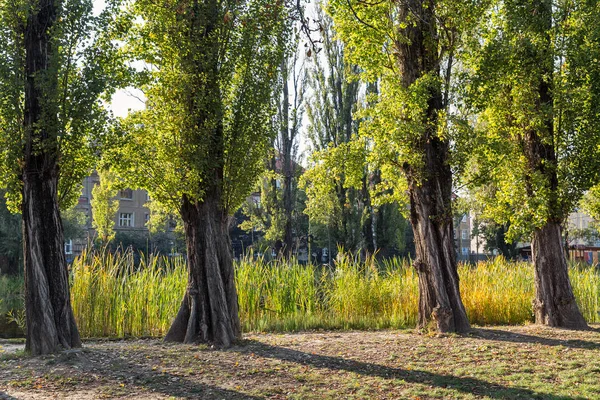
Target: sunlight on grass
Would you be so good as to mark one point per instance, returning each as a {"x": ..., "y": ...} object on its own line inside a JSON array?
[{"x": 114, "y": 297}]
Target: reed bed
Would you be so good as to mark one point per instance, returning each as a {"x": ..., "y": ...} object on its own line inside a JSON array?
[
  {"x": 115, "y": 296},
  {"x": 112, "y": 296}
]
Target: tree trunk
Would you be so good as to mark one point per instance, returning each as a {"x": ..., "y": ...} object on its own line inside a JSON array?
[
  {"x": 430, "y": 184},
  {"x": 209, "y": 310},
  {"x": 50, "y": 321},
  {"x": 430, "y": 201},
  {"x": 554, "y": 303},
  {"x": 49, "y": 316},
  {"x": 288, "y": 201}
]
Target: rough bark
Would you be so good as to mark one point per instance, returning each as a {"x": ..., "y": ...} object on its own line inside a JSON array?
[
  {"x": 49, "y": 316},
  {"x": 439, "y": 296},
  {"x": 554, "y": 303},
  {"x": 209, "y": 310},
  {"x": 430, "y": 184}
]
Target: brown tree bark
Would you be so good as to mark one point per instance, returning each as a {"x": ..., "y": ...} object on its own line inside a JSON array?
[
  {"x": 554, "y": 303},
  {"x": 209, "y": 310},
  {"x": 430, "y": 184},
  {"x": 49, "y": 316}
]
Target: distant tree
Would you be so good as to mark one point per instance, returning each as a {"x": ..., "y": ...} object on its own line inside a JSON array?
[
  {"x": 330, "y": 108},
  {"x": 213, "y": 69},
  {"x": 265, "y": 215},
  {"x": 289, "y": 117},
  {"x": 54, "y": 69},
  {"x": 105, "y": 206},
  {"x": 11, "y": 238}
]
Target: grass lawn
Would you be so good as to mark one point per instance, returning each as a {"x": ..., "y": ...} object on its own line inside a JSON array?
[{"x": 527, "y": 362}]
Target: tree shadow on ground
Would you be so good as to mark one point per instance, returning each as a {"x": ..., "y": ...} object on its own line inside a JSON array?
[
  {"x": 122, "y": 376},
  {"x": 172, "y": 385},
  {"x": 463, "y": 384},
  {"x": 4, "y": 396},
  {"x": 512, "y": 337}
]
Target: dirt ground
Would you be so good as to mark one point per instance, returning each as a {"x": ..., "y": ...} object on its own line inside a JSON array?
[{"x": 526, "y": 362}]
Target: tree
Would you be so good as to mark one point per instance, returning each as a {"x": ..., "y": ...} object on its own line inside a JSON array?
[
  {"x": 54, "y": 64},
  {"x": 290, "y": 114},
  {"x": 105, "y": 206},
  {"x": 213, "y": 68},
  {"x": 409, "y": 48},
  {"x": 535, "y": 80},
  {"x": 276, "y": 215},
  {"x": 335, "y": 97},
  {"x": 11, "y": 239}
]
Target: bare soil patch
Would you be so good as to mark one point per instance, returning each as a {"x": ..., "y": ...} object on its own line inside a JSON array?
[{"x": 527, "y": 362}]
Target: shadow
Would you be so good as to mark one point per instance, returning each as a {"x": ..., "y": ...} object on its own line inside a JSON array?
[
  {"x": 506, "y": 336},
  {"x": 121, "y": 371},
  {"x": 464, "y": 384},
  {"x": 4, "y": 396}
]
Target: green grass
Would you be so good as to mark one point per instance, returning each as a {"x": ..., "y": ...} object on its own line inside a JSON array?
[{"x": 112, "y": 297}]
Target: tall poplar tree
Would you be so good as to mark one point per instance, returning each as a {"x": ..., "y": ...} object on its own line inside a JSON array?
[
  {"x": 212, "y": 67},
  {"x": 53, "y": 70},
  {"x": 410, "y": 46},
  {"x": 535, "y": 79}
]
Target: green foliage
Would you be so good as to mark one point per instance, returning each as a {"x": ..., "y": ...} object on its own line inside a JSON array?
[
  {"x": 18, "y": 317},
  {"x": 521, "y": 50},
  {"x": 396, "y": 119},
  {"x": 209, "y": 97},
  {"x": 74, "y": 223},
  {"x": 105, "y": 206},
  {"x": 266, "y": 215},
  {"x": 590, "y": 202},
  {"x": 337, "y": 166},
  {"x": 343, "y": 183},
  {"x": 11, "y": 233},
  {"x": 81, "y": 74}
]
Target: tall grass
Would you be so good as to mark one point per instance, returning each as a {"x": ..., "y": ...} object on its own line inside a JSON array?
[
  {"x": 497, "y": 292},
  {"x": 113, "y": 296}
]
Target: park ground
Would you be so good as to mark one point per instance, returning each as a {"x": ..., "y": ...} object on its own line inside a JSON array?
[{"x": 526, "y": 362}]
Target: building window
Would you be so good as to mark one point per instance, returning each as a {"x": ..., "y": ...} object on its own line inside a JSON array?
[
  {"x": 465, "y": 251},
  {"x": 146, "y": 218},
  {"x": 465, "y": 234},
  {"x": 126, "y": 219},
  {"x": 126, "y": 194},
  {"x": 69, "y": 246}
]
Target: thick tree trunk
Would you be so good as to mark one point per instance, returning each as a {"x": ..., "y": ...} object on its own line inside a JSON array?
[
  {"x": 439, "y": 295},
  {"x": 50, "y": 321},
  {"x": 49, "y": 316},
  {"x": 209, "y": 310},
  {"x": 554, "y": 303},
  {"x": 430, "y": 184}
]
